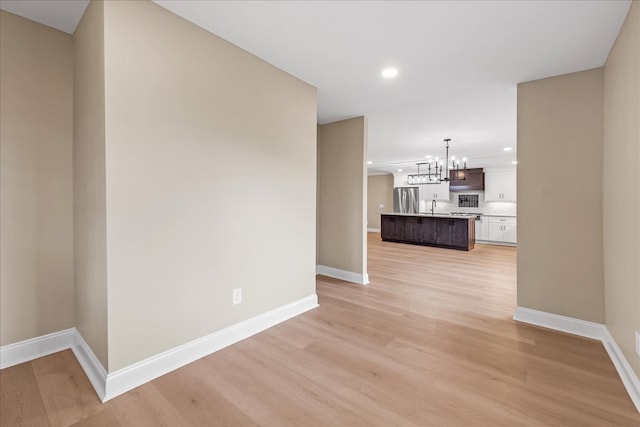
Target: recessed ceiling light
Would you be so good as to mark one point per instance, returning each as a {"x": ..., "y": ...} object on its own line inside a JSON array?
[
  {"x": 369, "y": 162},
  {"x": 507, "y": 148},
  {"x": 515, "y": 162},
  {"x": 428, "y": 156},
  {"x": 389, "y": 73},
  {"x": 399, "y": 170}
]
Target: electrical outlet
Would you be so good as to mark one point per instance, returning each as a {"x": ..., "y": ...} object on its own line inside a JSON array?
[
  {"x": 237, "y": 296},
  {"x": 638, "y": 343}
]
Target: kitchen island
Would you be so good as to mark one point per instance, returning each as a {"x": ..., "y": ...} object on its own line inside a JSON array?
[{"x": 441, "y": 230}]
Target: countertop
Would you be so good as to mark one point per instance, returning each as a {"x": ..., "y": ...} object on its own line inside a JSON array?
[
  {"x": 429, "y": 215},
  {"x": 446, "y": 215}
]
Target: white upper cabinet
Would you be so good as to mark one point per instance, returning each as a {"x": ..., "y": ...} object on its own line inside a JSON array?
[
  {"x": 500, "y": 186},
  {"x": 428, "y": 192},
  {"x": 399, "y": 180},
  {"x": 434, "y": 192}
]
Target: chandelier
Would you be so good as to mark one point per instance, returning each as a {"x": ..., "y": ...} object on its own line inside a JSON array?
[{"x": 437, "y": 172}]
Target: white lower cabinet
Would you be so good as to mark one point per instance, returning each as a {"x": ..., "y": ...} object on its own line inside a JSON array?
[
  {"x": 501, "y": 229},
  {"x": 482, "y": 228}
]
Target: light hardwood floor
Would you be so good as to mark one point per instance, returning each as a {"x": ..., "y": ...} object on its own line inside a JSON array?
[{"x": 429, "y": 342}]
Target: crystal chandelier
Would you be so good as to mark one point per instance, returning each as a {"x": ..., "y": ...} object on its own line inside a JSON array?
[{"x": 437, "y": 172}]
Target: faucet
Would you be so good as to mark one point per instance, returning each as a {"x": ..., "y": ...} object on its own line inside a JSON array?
[{"x": 433, "y": 205}]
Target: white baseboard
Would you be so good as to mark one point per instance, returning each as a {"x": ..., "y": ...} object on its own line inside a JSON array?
[
  {"x": 627, "y": 374},
  {"x": 135, "y": 375},
  {"x": 570, "y": 325},
  {"x": 34, "y": 348},
  {"x": 587, "y": 329},
  {"x": 373, "y": 230},
  {"x": 494, "y": 243},
  {"x": 349, "y": 276},
  {"x": 108, "y": 386},
  {"x": 92, "y": 367}
]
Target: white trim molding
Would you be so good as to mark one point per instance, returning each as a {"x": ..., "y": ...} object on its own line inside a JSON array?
[
  {"x": 110, "y": 385},
  {"x": 495, "y": 243},
  {"x": 349, "y": 276},
  {"x": 373, "y": 230},
  {"x": 557, "y": 322},
  {"x": 139, "y": 373},
  {"x": 592, "y": 330},
  {"x": 627, "y": 374},
  {"x": 34, "y": 348},
  {"x": 92, "y": 367}
]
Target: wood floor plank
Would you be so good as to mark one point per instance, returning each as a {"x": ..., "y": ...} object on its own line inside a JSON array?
[
  {"x": 429, "y": 342},
  {"x": 197, "y": 402},
  {"x": 146, "y": 406},
  {"x": 264, "y": 391},
  {"x": 103, "y": 418},
  {"x": 65, "y": 389},
  {"x": 333, "y": 388},
  {"x": 20, "y": 401}
]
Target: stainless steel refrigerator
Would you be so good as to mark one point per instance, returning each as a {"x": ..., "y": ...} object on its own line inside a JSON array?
[{"x": 405, "y": 199}]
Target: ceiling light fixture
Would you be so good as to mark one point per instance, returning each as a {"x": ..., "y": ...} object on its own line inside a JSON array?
[
  {"x": 515, "y": 162},
  {"x": 435, "y": 173},
  {"x": 389, "y": 73},
  {"x": 369, "y": 162},
  {"x": 399, "y": 170},
  {"x": 507, "y": 148}
]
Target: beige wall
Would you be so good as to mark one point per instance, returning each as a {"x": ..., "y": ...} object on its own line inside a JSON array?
[
  {"x": 210, "y": 177},
  {"x": 621, "y": 187},
  {"x": 342, "y": 189},
  {"x": 89, "y": 181},
  {"x": 379, "y": 191},
  {"x": 36, "y": 194},
  {"x": 560, "y": 195}
]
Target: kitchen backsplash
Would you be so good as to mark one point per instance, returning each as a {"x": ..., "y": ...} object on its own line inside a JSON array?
[{"x": 487, "y": 208}]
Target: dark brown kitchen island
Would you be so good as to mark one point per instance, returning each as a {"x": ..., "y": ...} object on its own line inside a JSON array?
[{"x": 446, "y": 231}]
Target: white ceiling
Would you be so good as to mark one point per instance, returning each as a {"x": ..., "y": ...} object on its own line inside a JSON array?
[
  {"x": 62, "y": 15},
  {"x": 459, "y": 61}
]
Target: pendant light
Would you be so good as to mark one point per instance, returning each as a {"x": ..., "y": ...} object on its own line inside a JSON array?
[{"x": 436, "y": 172}]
